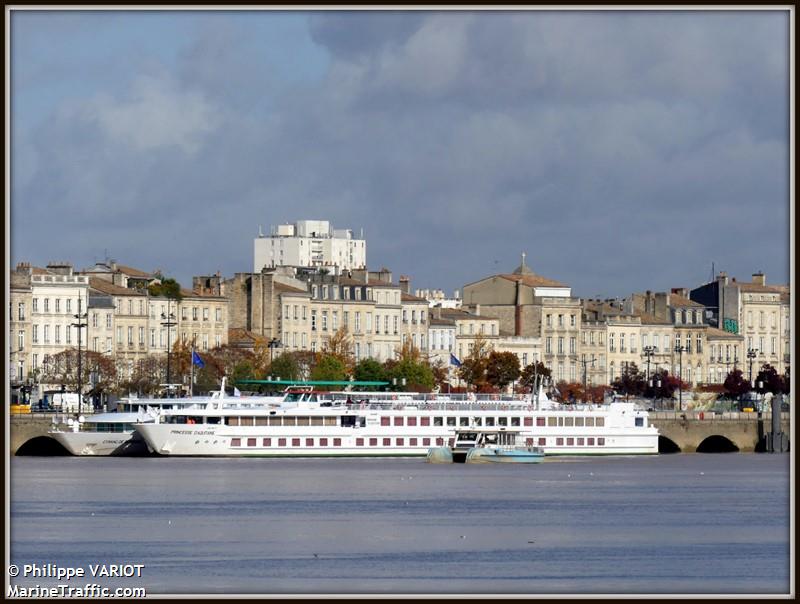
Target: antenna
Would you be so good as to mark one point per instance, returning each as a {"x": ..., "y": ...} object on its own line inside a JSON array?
[{"x": 713, "y": 274}]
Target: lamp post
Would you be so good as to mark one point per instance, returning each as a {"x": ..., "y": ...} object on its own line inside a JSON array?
[
  {"x": 648, "y": 352},
  {"x": 273, "y": 344},
  {"x": 585, "y": 361},
  {"x": 751, "y": 354},
  {"x": 680, "y": 350},
  {"x": 80, "y": 324},
  {"x": 168, "y": 320}
]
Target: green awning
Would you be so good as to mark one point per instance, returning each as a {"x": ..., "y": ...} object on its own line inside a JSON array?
[{"x": 312, "y": 383}]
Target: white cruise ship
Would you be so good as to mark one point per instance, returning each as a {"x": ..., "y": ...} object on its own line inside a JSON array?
[{"x": 349, "y": 424}]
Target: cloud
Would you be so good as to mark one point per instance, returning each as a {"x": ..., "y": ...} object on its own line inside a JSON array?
[{"x": 156, "y": 114}]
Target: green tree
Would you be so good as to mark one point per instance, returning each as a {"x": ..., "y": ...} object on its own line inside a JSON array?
[
  {"x": 473, "y": 367},
  {"x": 285, "y": 367},
  {"x": 369, "y": 370},
  {"x": 736, "y": 384},
  {"x": 329, "y": 368},
  {"x": 502, "y": 368},
  {"x": 168, "y": 288},
  {"x": 631, "y": 383},
  {"x": 418, "y": 375}
]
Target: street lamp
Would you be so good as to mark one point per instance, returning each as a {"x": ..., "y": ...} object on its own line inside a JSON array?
[
  {"x": 648, "y": 352},
  {"x": 168, "y": 320},
  {"x": 751, "y": 354},
  {"x": 273, "y": 344},
  {"x": 80, "y": 324},
  {"x": 585, "y": 361},
  {"x": 680, "y": 350}
]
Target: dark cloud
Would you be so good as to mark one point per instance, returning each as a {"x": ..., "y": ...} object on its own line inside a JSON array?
[{"x": 620, "y": 150}]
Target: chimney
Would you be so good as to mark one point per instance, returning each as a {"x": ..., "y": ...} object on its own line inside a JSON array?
[
  {"x": 722, "y": 278},
  {"x": 759, "y": 278},
  {"x": 405, "y": 284}
]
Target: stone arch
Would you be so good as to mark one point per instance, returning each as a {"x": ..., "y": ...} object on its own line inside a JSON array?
[
  {"x": 42, "y": 446},
  {"x": 667, "y": 445},
  {"x": 717, "y": 444}
]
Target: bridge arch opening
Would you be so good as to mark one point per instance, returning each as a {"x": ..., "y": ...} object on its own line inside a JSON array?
[
  {"x": 667, "y": 445},
  {"x": 42, "y": 446},
  {"x": 717, "y": 444}
]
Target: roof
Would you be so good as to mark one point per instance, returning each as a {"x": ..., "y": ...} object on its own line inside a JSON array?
[
  {"x": 441, "y": 321},
  {"x": 678, "y": 300},
  {"x": 289, "y": 289},
  {"x": 531, "y": 279},
  {"x": 462, "y": 315},
  {"x": 107, "y": 287},
  {"x": 757, "y": 287},
  {"x": 650, "y": 319},
  {"x": 404, "y": 297},
  {"x": 713, "y": 332},
  {"x": 134, "y": 272},
  {"x": 357, "y": 282}
]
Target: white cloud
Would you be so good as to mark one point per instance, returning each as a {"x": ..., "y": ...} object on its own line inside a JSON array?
[{"x": 157, "y": 114}]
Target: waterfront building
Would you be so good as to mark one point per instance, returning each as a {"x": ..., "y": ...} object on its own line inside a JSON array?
[
  {"x": 310, "y": 243},
  {"x": 527, "y": 304},
  {"x": 416, "y": 313},
  {"x": 437, "y": 297},
  {"x": 619, "y": 331},
  {"x": 725, "y": 353},
  {"x": 756, "y": 311},
  {"x": 442, "y": 340},
  {"x": 19, "y": 327}
]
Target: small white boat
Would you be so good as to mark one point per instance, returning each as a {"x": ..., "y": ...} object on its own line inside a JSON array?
[{"x": 487, "y": 445}]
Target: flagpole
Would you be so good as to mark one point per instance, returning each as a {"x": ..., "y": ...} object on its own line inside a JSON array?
[{"x": 191, "y": 374}]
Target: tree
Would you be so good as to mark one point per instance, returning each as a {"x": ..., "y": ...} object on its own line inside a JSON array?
[
  {"x": 473, "y": 367},
  {"x": 631, "y": 382},
  {"x": 418, "y": 375},
  {"x": 736, "y": 384},
  {"x": 98, "y": 372},
  {"x": 537, "y": 370},
  {"x": 340, "y": 346},
  {"x": 768, "y": 380},
  {"x": 664, "y": 385},
  {"x": 502, "y": 368},
  {"x": 329, "y": 368},
  {"x": 369, "y": 370},
  {"x": 285, "y": 367},
  {"x": 168, "y": 288}
]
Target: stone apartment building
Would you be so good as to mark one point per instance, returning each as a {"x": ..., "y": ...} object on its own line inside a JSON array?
[
  {"x": 529, "y": 305},
  {"x": 19, "y": 327}
]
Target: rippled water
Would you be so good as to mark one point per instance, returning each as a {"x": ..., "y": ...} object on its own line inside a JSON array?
[{"x": 665, "y": 524}]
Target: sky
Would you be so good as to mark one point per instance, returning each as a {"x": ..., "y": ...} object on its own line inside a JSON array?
[{"x": 620, "y": 150}]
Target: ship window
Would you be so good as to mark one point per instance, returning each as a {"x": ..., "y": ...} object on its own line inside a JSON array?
[
  {"x": 281, "y": 442},
  {"x": 295, "y": 442},
  {"x": 589, "y": 422},
  {"x": 303, "y": 421},
  {"x": 463, "y": 421},
  {"x": 451, "y": 442},
  {"x": 590, "y": 441},
  {"x": 384, "y": 421},
  {"x": 261, "y": 421},
  {"x": 412, "y": 442},
  {"x": 559, "y": 441},
  {"x": 426, "y": 442},
  {"x": 412, "y": 421},
  {"x": 400, "y": 442},
  {"x": 387, "y": 442},
  {"x": 528, "y": 421},
  {"x": 212, "y": 420},
  {"x": 330, "y": 421},
  {"x": 232, "y": 421},
  {"x": 478, "y": 421},
  {"x": 515, "y": 421},
  {"x": 570, "y": 441},
  {"x": 316, "y": 421},
  {"x": 560, "y": 421},
  {"x": 398, "y": 421},
  {"x": 568, "y": 421},
  {"x": 309, "y": 442},
  {"x": 289, "y": 420},
  {"x": 578, "y": 421},
  {"x": 580, "y": 441},
  {"x": 490, "y": 421},
  {"x": 275, "y": 421},
  {"x": 551, "y": 421},
  {"x": 437, "y": 421},
  {"x": 236, "y": 442},
  {"x": 348, "y": 421},
  {"x": 439, "y": 441},
  {"x": 337, "y": 442},
  {"x": 251, "y": 442},
  {"x": 600, "y": 422},
  {"x": 540, "y": 421},
  {"x": 502, "y": 421},
  {"x": 529, "y": 442},
  {"x": 451, "y": 421},
  {"x": 542, "y": 441},
  {"x": 373, "y": 442},
  {"x": 424, "y": 421},
  {"x": 359, "y": 442},
  {"x": 267, "y": 442},
  {"x": 640, "y": 421},
  {"x": 601, "y": 441}
]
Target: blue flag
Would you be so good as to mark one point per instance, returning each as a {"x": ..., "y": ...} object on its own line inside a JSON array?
[
  {"x": 196, "y": 360},
  {"x": 454, "y": 360}
]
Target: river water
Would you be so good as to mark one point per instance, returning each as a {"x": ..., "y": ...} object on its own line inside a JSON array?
[{"x": 677, "y": 524}]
